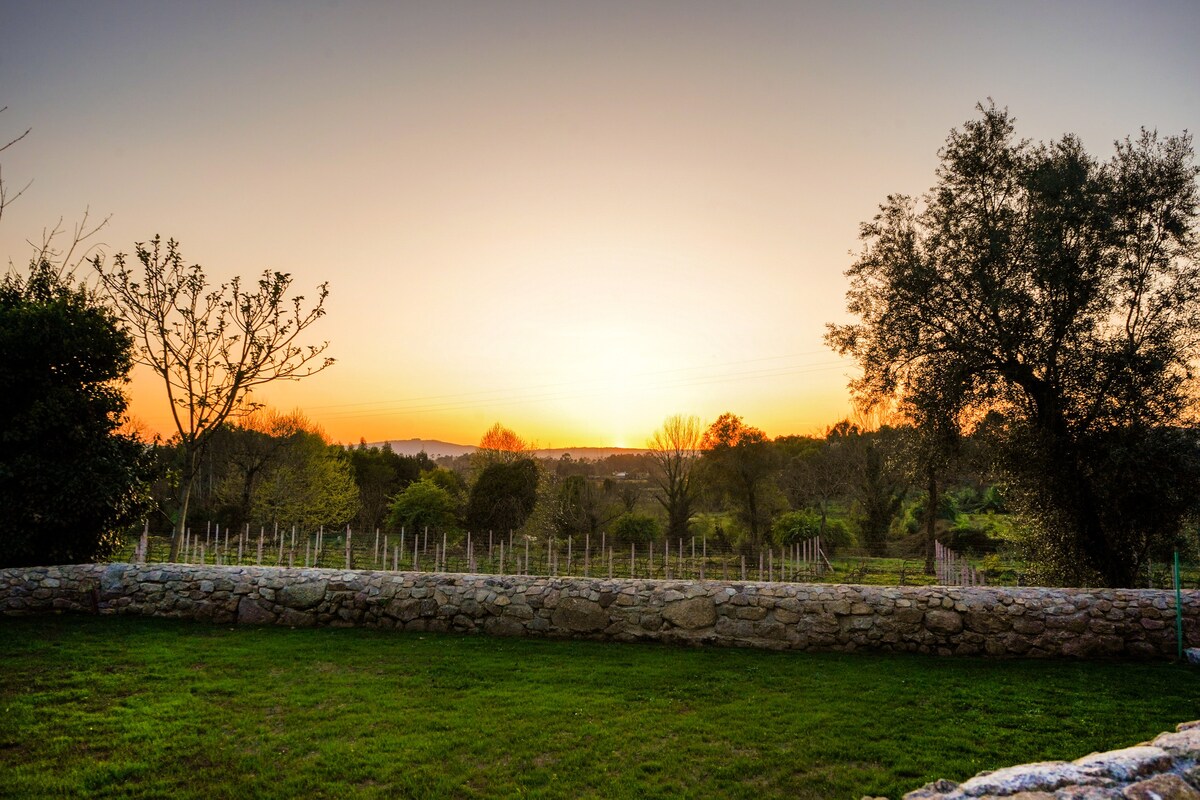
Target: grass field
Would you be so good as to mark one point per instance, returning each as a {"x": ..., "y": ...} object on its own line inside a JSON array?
[{"x": 127, "y": 707}]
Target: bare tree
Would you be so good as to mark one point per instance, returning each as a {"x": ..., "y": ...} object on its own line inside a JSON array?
[
  {"x": 5, "y": 197},
  {"x": 210, "y": 346},
  {"x": 675, "y": 449}
]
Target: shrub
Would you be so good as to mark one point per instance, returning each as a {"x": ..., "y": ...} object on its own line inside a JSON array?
[
  {"x": 795, "y": 526},
  {"x": 635, "y": 529}
]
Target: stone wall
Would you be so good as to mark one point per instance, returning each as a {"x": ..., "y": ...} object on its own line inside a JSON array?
[
  {"x": 1166, "y": 768},
  {"x": 942, "y": 620}
]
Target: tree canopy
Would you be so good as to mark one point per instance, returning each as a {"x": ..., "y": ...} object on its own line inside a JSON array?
[
  {"x": 675, "y": 451},
  {"x": 503, "y": 496},
  {"x": 1060, "y": 292},
  {"x": 211, "y": 346},
  {"x": 740, "y": 461},
  {"x": 70, "y": 481}
]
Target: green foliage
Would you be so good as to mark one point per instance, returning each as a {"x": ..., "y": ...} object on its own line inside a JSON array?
[
  {"x": 210, "y": 345},
  {"x": 913, "y": 514},
  {"x": 675, "y": 452},
  {"x": 740, "y": 461},
  {"x": 424, "y": 504},
  {"x": 970, "y": 500},
  {"x": 796, "y": 526},
  {"x": 70, "y": 482},
  {"x": 381, "y": 474},
  {"x": 583, "y": 507},
  {"x": 449, "y": 480},
  {"x": 503, "y": 495},
  {"x": 313, "y": 485},
  {"x": 877, "y": 498},
  {"x": 1061, "y": 294},
  {"x": 635, "y": 529},
  {"x": 1146, "y": 477}
]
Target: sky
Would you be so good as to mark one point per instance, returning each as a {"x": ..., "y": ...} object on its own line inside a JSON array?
[{"x": 576, "y": 219}]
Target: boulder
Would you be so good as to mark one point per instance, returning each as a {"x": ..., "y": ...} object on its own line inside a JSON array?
[
  {"x": 944, "y": 622},
  {"x": 303, "y": 595},
  {"x": 579, "y": 615},
  {"x": 251, "y": 613},
  {"x": 693, "y": 613}
]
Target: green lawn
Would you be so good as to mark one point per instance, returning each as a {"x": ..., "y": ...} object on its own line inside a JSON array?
[{"x": 125, "y": 707}]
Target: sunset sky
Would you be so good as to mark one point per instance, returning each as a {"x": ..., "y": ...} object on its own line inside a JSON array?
[{"x": 573, "y": 218}]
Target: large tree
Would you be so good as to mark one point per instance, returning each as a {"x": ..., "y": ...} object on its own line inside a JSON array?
[
  {"x": 503, "y": 496},
  {"x": 675, "y": 451},
  {"x": 249, "y": 451},
  {"x": 70, "y": 481},
  {"x": 423, "y": 504},
  {"x": 310, "y": 483},
  {"x": 741, "y": 461},
  {"x": 1061, "y": 292},
  {"x": 210, "y": 346},
  {"x": 583, "y": 506},
  {"x": 381, "y": 474}
]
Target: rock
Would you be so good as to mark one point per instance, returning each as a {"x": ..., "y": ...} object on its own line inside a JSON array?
[
  {"x": 751, "y": 612},
  {"x": 1184, "y": 742},
  {"x": 1161, "y": 787},
  {"x": 930, "y": 790},
  {"x": 579, "y": 615},
  {"x": 1044, "y": 776},
  {"x": 787, "y": 616},
  {"x": 943, "y": 622},
  {"x": 985, "y": 621},
  {"x": 1126, "y": 765},
  {"x": 1086, "y": 793},
  {"x": 1081, "y": 646},
  {"x": 111, "y": 578},
  {"x": 297, "y": 619},
  {"x": 1027, "y": 626},
  {"x": 403, "y": 610},
  {"x": 693, "y": 613},
  {"x": 503, "y": 626},
  {"x": 251, "y": 613},
  {"x": 303, "y": 595}
]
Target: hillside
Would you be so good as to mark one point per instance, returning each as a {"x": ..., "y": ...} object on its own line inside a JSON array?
[{"x": 435, "y": 448}]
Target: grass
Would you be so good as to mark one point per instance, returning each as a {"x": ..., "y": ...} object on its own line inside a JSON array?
[{"x": 130, "y": 707}]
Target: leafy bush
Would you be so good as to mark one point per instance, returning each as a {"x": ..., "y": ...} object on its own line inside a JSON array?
[
  {"x": 795, "y": 526},
  {"x": 70, "y": 481},
  {"x": 423, "y": 504},
  {"x": 635, "y": 529}
]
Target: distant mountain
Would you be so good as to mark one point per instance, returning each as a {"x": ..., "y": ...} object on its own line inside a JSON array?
[
  {"x": 435, "y": 448},
  {"x": 591, "y": 453}
]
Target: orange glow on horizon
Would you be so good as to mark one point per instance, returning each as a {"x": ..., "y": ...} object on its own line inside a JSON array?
[
  {"x": 568, "y": 414},
  {"x": 575, "y": 219}
]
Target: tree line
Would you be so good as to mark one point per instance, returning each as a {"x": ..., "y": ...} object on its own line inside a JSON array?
[
  {"x": 856, "y": 487},
  {"x": 1027, "y": 328}
]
